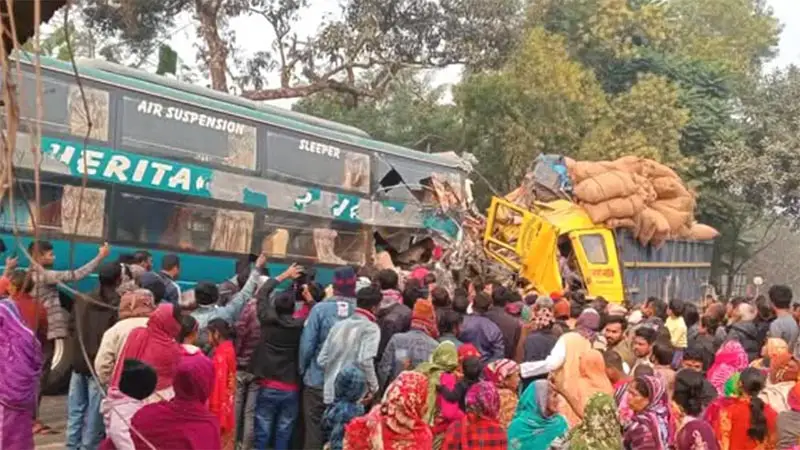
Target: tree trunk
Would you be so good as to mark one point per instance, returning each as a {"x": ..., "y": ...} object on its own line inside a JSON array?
[{"x": 217, "y": 56}]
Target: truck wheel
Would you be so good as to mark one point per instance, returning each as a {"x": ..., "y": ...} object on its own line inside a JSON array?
[{"x": 60, "y": 368}]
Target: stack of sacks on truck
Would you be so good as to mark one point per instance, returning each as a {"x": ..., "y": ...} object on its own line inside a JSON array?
[{"x": 642, "y": 195}]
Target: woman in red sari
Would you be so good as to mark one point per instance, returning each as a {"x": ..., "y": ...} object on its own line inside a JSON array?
[
  {"x": 183, "y": 423},
  {"x": 398, "y": 422},
  {"x": 747, "y": 423},
  {"x": 221, "y": 402},
  {"x": 155, "y": 345}
]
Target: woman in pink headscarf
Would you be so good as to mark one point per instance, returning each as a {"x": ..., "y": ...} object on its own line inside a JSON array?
[
  {"x": 155, "y": 345},
  {"x": 183, "y": 423},
  {"x": 730, "y": 359}
]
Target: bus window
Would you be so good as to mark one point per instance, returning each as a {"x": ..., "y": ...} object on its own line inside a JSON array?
[
  {"x": 308, "y": 237},
  {"x": 186, "y": 226},
  {"x": 59, "y": 210},
  {"x": 173, "y": 130},
  {"x": 63, "y": 107},
  {"x": 412, "y": 181},
  {"x": 299, "y": 157}
]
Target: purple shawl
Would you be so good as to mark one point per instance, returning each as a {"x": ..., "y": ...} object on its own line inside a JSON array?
[{"x": 21, "y": 356}]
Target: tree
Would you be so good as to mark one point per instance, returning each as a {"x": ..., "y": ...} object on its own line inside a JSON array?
[
  {"x": 385, "y": 37},
  {"x": 544, "y": 101},
  {"x": 411, "y": 114}
]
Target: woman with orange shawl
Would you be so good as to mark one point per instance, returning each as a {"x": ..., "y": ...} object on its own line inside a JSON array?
[
  {"x": 783, "y": 373},
  {"x": 398, "y": 423},
  {"x": 746, "y": 422},
  {"x": 566, "y": 362}
]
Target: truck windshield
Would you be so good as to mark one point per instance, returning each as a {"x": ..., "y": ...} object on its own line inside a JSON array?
[{"x": 595, "y": 247}]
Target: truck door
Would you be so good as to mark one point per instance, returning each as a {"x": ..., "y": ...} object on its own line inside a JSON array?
[
  {"x": 596, "y": 254},
  {"x": 523, "y": 241}
]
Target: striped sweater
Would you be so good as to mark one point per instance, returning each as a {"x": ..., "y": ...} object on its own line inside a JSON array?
[{"x": 46, "y": 290}]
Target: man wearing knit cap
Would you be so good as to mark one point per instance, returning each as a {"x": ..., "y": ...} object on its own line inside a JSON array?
[
  {"x": 407, "y": 350},
  {"x": 322, "y": 318}
]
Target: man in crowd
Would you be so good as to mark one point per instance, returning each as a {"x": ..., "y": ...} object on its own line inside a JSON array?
[
  {"x": 481, "y": 332},
  {"x": 617, "y": 340},
  {"x": 509, "y": 326},
  {"x": 643, "y": 340},
  {"x": 170, "y": 271},
  {"x": 322, "y": 318}
]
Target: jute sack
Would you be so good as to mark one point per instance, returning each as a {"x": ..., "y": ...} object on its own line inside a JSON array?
[
  {"x": 675, "y": 218},
  {"x": 682, "y": 203},
  {"x": 651, "y": 223},
  {"x": 616, "y": 208},
  {"x": 583, "y": 170},
  {"x": 633, "y": 165},
  {"x": 645, "y": 188},
  {"x": 605, "y": 186},
  {"x": 668, "y": 187},
  {"x": 621, "y": 223},
  {"x": 703, "y": 232},
  {"x": 658, "y": 170}
]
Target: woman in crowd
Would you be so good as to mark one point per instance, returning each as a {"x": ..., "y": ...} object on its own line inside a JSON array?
[
  {"x": 479, "y": 429},
  {"x": 693, "y": 433},
  {"x": 772, "y": 348},
  {"x": 21, "y": 356},
  {"x": 504, "y": 374},
  {"x": 782, "y": 376},
  {"x": 537, "y": 424},
  {"x": 650, "y": 428},
  {"x": 398, "y": 422},
  {"x": 788, "y": 422},
  {"x": 599, "y": 430},
  {"x": 438, "y": 370},
  {"x": 566, "y": 357},
  {"x": 351, "y": 386},
  {"x": 729, "y": 359},
  {"x": 135, "y": 309},
  {"x": 747, "y": 423},
  {"x": 184, "y": 422},
  {"x": 156, "y": 346},
  {"x": 221, "y": 403}
]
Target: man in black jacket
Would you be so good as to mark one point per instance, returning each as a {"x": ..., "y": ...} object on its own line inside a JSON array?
[
  {"x": 275, "y": 364},
  {"x": 90, "y": 320},
  {"x": 508, "y": 324}
]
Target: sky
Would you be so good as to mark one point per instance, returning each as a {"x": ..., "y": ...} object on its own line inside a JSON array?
[{"x": 250, "y": 35}]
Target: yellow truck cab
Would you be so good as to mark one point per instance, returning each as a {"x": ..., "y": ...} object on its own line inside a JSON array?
[{"x": 537, "y": 242}]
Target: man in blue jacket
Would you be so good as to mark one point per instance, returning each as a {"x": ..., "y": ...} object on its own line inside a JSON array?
[{"x": 322, "y": 318}]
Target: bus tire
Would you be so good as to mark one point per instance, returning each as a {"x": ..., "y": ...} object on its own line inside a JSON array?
[{"x": 60, "y": 368}]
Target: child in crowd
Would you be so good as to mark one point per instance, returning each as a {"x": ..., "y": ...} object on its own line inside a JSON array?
[
  {"x": 188, "y": 335},
  {"x": 138, "y": 381},
  {"x": 473, "y": 367},
  {"x": 677, "y": 331},
  {"x": 221, "y": 402},
  {"x": 350, "y": 387}
]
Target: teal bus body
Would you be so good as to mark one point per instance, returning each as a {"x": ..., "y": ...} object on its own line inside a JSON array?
[
  {"x": 195, "y": 267},
  {"x": 173, "y": 168}
]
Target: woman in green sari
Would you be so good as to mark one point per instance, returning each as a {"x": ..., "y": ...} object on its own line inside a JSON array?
[
  {"x": 536, "y": 425},
  {"x": 600, "y": 428},
  {"x": 439, "y": 371}
]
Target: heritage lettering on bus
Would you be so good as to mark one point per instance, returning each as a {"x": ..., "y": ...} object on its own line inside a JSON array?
[
  {"x": 116, "y": 167},
  {"x": 320, "y": 148},
  {"x": 190, "y": 117}
]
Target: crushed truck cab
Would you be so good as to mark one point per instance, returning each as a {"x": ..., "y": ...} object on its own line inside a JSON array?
[
  {"x": 611, "y": 263},
  {"x": 530, "y": 242}
]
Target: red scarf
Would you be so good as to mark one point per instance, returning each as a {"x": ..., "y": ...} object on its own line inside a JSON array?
[
  {"x": 221, "y": 402},
  {"x": 154, "y": 345}
]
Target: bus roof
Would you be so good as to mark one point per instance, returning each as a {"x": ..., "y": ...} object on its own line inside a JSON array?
[{"x": 206, "y": 98}]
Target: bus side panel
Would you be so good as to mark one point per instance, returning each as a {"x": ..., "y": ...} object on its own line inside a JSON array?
[{"x": 194, "y": 267}]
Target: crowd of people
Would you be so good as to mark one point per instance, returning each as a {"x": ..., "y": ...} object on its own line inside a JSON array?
[{"x": 391, "y": 360}]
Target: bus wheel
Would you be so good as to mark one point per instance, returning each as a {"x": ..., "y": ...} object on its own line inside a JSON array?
[{"x": 60, "y": 368}]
